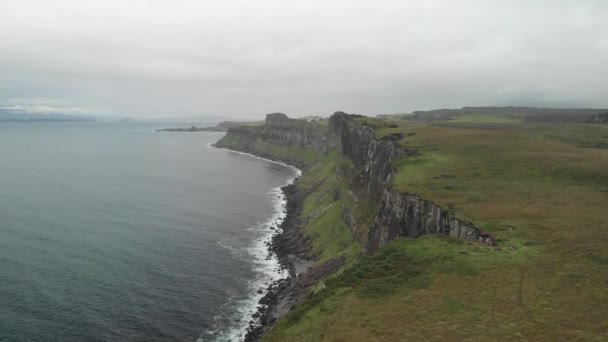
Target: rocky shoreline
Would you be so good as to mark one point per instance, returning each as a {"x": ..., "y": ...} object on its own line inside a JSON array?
[
  {"x": 290, "y": 246},
  {"x": 291, "y": 249},
  {"x": 273, "y": 304}
]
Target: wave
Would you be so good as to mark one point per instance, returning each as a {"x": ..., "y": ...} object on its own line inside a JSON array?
[
  {"x": 265, "y": 263},
  {"x": 298, "y": 171}
]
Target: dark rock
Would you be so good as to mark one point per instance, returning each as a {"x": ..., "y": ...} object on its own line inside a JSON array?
[
  {"x": 350, "y": 220},
  {"x": 601, "y": 118},
  {"x": 411, "y": 216},
  {"x": 372, "y": 157}
]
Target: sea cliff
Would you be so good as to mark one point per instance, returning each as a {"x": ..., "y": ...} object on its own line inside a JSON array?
[
  {"x": 400, "y": 214},
  {"x": 369, "y": 207},
  {"x": 465, "y": 226}
]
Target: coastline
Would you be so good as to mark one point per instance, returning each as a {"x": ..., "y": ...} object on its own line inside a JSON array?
[
  {"x": 269, "y": 303},
  {"x": 291, "y": 248}
]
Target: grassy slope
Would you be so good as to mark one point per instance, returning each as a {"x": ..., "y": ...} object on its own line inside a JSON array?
[
  {"x": 298, "y": 156},
  {"x": 327, "y": 184},
  {"x": 322, "y": 212},
  {"x": 327, "y": 194},
  {"x": 537, "y": 189}
]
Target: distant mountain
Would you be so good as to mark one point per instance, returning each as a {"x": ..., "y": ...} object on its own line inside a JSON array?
[
  {"x": 220, "y": 127},
  {"x": 528, "y": 114},
  {"x": 207, "y": 119},
  {"x": 12, "y": 115}
]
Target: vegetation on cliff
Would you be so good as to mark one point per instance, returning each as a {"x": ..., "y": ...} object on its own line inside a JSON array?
[{"x": 540, "y": 189}]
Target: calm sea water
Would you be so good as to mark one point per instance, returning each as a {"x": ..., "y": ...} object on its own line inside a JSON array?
[{"x": 111, "y": 232}]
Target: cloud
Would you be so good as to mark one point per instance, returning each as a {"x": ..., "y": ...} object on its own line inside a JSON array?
[
  {"x": 49, "y": 106},
  {"x": 246, "y": 58}
]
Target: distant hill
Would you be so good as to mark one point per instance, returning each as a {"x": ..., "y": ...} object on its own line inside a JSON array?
[
  {"x": 220, "y": 127},
  {"x": 527, "y": 114},
  {"x": 10, "y": 115}
]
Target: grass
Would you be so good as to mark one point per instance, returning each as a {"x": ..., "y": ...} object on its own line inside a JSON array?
[
  {"x": 328, "y": 198},
  {"x": 371, "y": 122},
  {"x": 409, "y": 281},
  {"x": 541, "y": 189},
  {"x": 304, "y": 156},
  {"x": 487, "y": 119},
  {"x": 581, "y": 135},
  {"x": 252, "y": 143},
  {"x": 322, "y": 211},
  {"x": 499, "y": 179}
]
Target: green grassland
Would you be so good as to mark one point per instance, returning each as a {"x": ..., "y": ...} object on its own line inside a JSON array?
[
  {"x": 487, "y": 119},
  {"x": 328, "y": 196},
  {"x": 322, "y": 212},
  {"x": 541, "y": 189}
]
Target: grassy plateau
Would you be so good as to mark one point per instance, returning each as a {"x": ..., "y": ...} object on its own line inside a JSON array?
[{"x": 540, "y": 188}]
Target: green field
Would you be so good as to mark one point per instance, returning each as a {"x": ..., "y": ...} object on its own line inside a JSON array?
[
  {"x": 487, "y": 119},
  {"x": 542, "y": 190}
]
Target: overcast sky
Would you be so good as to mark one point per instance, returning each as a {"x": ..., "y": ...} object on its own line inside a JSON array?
[{"x": 242, "y": 59}]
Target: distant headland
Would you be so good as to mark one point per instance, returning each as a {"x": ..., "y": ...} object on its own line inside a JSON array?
[{"x": 220, "y": 127}]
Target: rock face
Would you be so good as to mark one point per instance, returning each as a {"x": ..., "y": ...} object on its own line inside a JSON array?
[
  {"x": 601, "y": 118},
  {"x": 409, "y": 215},
  {"x": 373, "y": 157},
  {"x": 400, "y": 214},
  {"x": 281, "y": 130}
]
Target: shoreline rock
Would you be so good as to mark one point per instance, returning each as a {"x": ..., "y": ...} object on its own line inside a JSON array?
[
  {"x": 289, "y": 252},
  {"x": 290, "y": 247}
]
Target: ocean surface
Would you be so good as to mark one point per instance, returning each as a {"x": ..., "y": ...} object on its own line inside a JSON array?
[{"x": 112, "y": 232}]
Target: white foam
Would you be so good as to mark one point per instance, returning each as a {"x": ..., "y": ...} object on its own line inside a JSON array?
[
  {"x": 267, "y": 269},
  {"x": 298, "y": 171},
  {"x": 230, "y": 248}
]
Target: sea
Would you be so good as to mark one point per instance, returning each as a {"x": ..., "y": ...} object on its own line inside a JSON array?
[{"x": 110, "y": 231}]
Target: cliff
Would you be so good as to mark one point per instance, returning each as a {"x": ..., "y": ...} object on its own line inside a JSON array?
[
  {"x": 411, "y": 216},
  {"x": 372, "y": 157},
  {"x": 367, "y": 182},
  {"x": 281, "y": 130},
  {"x": 400, "y": 214}
]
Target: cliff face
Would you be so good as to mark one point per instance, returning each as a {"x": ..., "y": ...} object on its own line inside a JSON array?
[
  {"x": 373, "y": 157},
  {"x": 411, "y": 216},
  {"x": 400, "y": 214},
  {"x": 281, "y": 130}
]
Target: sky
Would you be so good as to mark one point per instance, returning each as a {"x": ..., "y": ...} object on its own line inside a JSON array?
[{"x": 241, "y": 59}]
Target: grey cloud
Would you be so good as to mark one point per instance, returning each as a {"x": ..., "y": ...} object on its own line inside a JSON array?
[{"x": 246, "y": 58}]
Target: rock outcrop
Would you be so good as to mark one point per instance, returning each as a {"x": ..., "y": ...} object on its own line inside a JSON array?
[
  {"x": 281, "y": 130},
  {"x": 373, "y": 157},
  {"x": 400, "y": 214},
  {"x": 601, "y": 118},
  {"x": 411, "y": 216}
]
